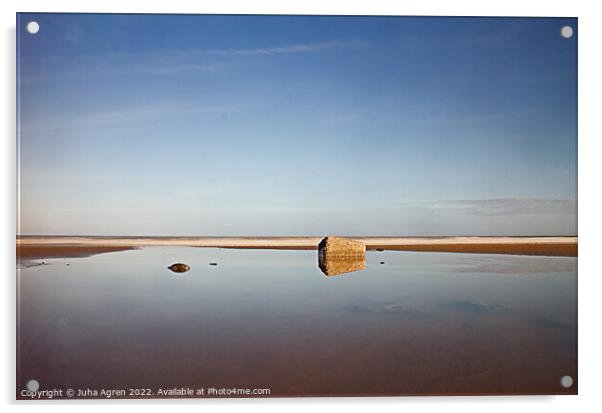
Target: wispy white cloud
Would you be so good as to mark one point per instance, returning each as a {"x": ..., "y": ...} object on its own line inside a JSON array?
[
  {"x": 126, "y": 115},
  {"x": 293, "y": 48},
  {"x": 176, "y": 69},
  {"x": 505, "y": 206},
  {"x": 159, "y": 62}
]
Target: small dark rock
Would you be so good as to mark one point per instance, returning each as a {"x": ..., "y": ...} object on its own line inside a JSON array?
[
  {"x": 179, "y": 267},
  {"x": 213, "y": 263},
  {"x": 382, "y": 262}
]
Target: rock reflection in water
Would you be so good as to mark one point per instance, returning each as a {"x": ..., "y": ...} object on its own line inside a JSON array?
[{"x": 335, "y": 265}]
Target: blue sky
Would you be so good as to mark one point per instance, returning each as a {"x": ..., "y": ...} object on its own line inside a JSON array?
[{"x": 297, "y": 125}]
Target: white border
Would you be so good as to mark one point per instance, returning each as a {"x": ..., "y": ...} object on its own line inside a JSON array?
[{"x": 590, "y": 276}]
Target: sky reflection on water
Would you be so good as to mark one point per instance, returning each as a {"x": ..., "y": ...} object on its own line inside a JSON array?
[{"x": 422, "y": 323}]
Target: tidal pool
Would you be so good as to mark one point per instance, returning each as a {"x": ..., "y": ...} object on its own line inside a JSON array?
[{"x": 419, "y": 324}]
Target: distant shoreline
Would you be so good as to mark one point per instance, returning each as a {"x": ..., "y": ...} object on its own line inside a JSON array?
[{"x": 39, "y": 247}]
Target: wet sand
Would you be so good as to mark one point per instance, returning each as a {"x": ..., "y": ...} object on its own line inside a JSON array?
[
  {"x": 367, "y": 357},
  {"x": 40, "y": 251},
  {"x": 29, "y": 248},
  {"x": 553, "y": 250}
]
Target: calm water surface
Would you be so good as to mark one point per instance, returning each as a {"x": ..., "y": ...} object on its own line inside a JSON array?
[{"x": 421, "y": 323}]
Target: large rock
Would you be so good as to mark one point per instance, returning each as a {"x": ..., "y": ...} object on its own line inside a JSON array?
[{"x": 341, "y": 247}]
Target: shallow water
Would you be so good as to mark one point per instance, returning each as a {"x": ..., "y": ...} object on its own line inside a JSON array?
[{"x": 421, "y": 323}]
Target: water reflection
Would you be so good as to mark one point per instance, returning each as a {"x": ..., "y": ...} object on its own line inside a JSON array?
[
  {"x": 424, "y": 323},
  {"x": 336, "y": 265}
]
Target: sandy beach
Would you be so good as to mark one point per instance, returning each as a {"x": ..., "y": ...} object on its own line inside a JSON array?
[{"x": 57, "y": 247}]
